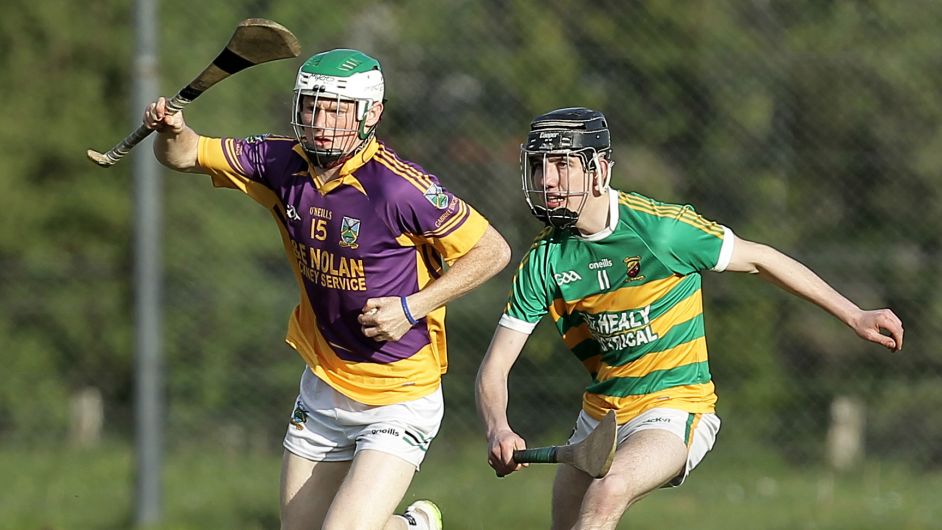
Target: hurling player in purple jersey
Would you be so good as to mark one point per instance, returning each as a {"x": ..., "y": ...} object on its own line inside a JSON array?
[{"x": 367, "y": 235}]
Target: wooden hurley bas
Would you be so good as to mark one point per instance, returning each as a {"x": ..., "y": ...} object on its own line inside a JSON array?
[
  {"x": 593, "y": 455},
  {"x": 255, "y": 41}
]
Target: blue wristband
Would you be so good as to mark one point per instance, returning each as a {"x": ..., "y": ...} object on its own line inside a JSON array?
[{"x": 405, "y": 309}]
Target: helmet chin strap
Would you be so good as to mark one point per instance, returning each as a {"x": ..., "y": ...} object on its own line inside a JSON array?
[
  {"x": 325, "y": 158},
  {"x": 557, "y": 217},
  {"x": 334, "y": 157}
]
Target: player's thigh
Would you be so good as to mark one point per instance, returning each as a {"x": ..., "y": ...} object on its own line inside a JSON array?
[
  {"x": 307, "y": 490},
  {"x": 374, "y": 486},
  {"x": 569, "y": 488},
  {"x": 645, "y": 461}
]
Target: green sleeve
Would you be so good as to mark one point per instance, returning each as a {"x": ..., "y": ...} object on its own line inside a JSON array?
[
  {"x": 683, "y": 240},
  {"x": 533, "y": 289}
]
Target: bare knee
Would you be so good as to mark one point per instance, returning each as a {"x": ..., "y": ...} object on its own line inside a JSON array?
[{"x": 606, "y": 501}]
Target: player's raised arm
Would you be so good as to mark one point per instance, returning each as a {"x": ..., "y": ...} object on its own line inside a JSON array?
[
  {"x": 176, "y": 144},
  {"x": 880, "y": 326}
]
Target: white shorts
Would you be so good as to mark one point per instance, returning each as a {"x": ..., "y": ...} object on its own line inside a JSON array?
[
  {"x": 328, "y": 426},
  {"x": 697, "y": 431}
]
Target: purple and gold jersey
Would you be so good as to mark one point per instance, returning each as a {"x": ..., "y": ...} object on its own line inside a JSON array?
[
  {"x": 627, "y": 303},
  {"x": 383, "y": 227}
]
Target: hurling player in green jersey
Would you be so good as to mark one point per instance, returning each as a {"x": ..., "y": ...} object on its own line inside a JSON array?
[{"x": 619, "y": 274}]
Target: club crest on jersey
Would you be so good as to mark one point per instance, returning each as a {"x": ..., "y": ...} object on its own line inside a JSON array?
[
  {"x": 633, "y": 266},
  {"x": 349, "y": 232},
  {"x": 436, "y": 195}
]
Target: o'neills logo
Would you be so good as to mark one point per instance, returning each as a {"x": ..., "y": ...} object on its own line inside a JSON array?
[{"x": 633, "y": 266}]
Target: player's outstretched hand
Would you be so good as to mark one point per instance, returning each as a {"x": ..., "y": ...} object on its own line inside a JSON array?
[
  {"x": 500, "y": 451},
  {"x": 383, "y": 319},
  {"x": 881, "y": 326}
]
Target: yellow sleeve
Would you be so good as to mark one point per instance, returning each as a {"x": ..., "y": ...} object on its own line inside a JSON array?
[
  {"x": 459, "y": 241},
  {"x": 217, "y": 157}
]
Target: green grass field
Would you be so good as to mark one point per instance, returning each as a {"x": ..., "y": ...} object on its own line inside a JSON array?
[{"x": 733, "y": 488}]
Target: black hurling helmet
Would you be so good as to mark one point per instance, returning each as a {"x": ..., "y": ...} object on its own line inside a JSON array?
[{"x": 570, "y": 132}]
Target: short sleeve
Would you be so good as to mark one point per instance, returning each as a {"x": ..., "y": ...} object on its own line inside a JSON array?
[
  {"x": 684, "y": 241},
  {"x": 431, "y": 214},
  {"x": 239, "y": 163},
  {"x": 531, "y": 293}
]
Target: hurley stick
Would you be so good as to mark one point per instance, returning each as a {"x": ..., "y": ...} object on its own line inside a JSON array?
[
  {"x": 593, "y": 455},
  {"x": 255, "y": 41}
]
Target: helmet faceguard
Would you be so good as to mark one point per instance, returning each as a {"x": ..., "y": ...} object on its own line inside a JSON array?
[
  {"x": 342, "y": 85},
  {"x": 562, "y": 138}
]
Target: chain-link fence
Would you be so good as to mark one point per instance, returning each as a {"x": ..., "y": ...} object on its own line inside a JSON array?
[{"x": 813, "y": 126}]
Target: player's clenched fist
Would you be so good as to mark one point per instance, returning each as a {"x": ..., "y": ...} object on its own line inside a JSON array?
[
  {"x": 500, "y": 455},
  {"x": 384, "y": 319},
  {"x": 157, "y": 118}
]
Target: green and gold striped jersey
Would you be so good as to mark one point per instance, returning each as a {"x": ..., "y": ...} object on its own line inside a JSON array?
[{"x": 627, "y": 303}]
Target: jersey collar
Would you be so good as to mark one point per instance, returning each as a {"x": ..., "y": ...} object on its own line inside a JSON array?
[
  {"x": 612, "y": 219},
  {"x": 345, "y": 175}
]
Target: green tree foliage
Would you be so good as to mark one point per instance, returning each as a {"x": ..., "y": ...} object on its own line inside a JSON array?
[{"x": 64, "y": 280}]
